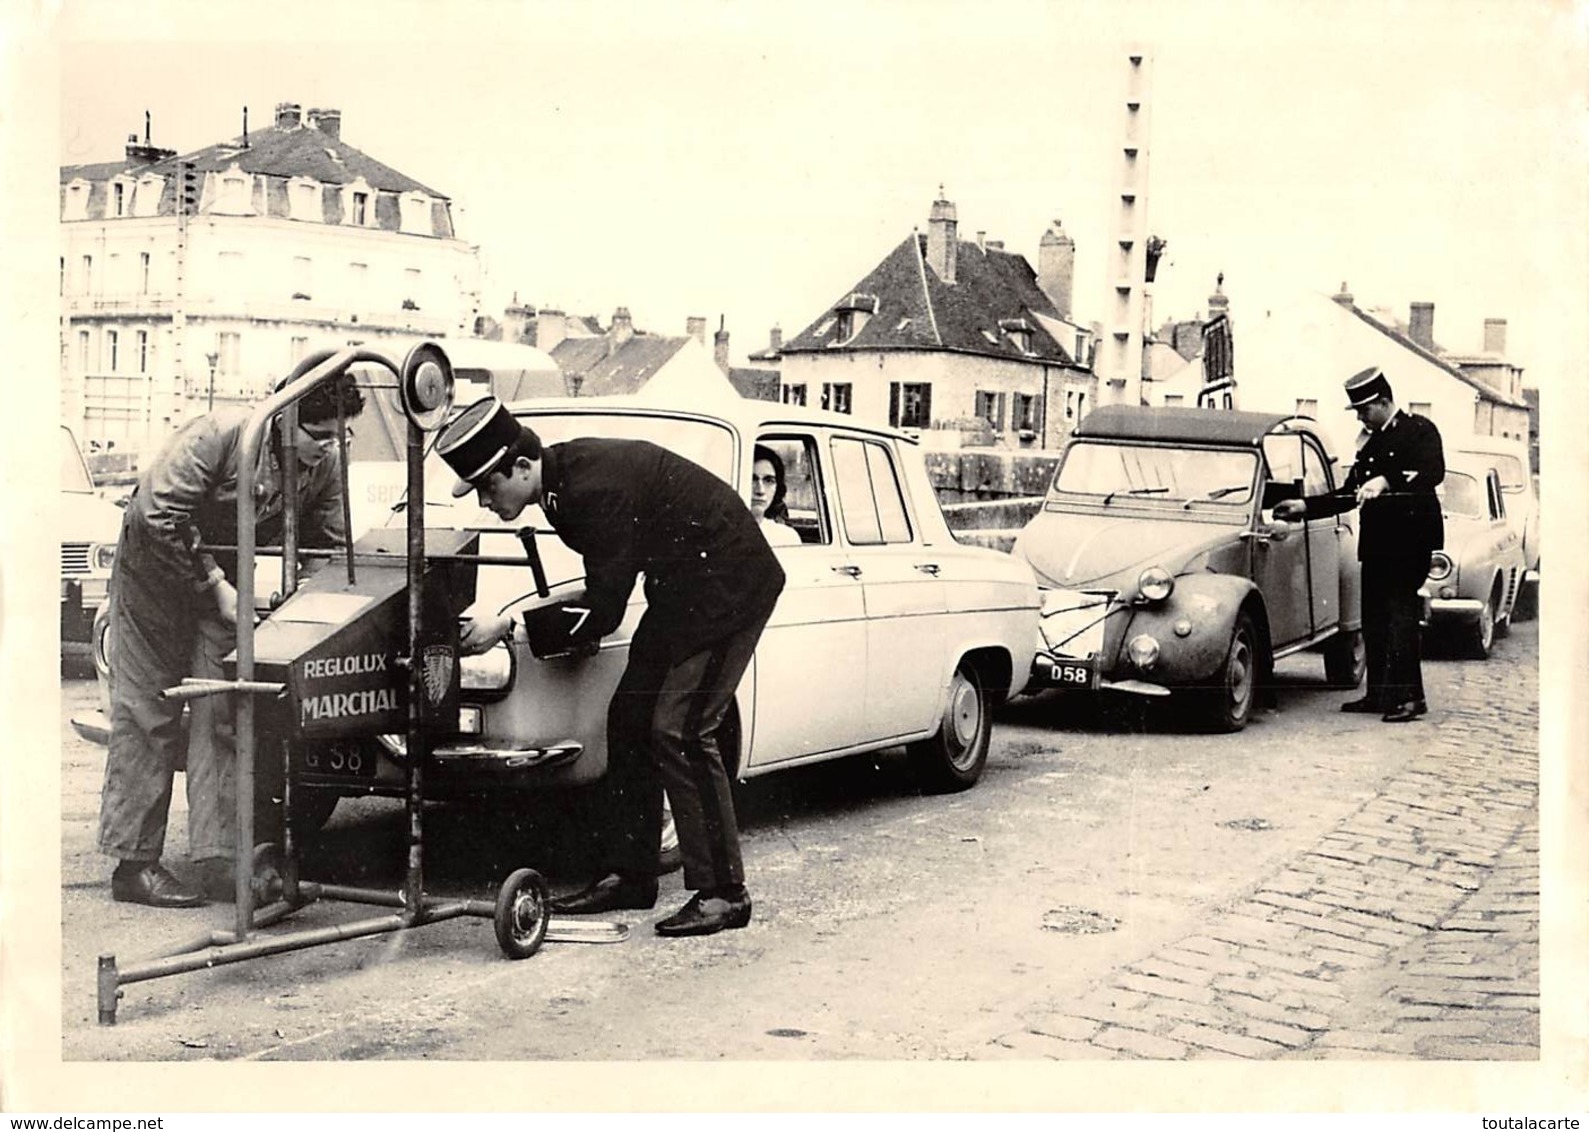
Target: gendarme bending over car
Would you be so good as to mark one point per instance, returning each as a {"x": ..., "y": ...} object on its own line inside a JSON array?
[{"x": 1165, "y": 569}]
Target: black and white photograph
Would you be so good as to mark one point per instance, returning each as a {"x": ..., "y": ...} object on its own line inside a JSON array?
[{"x": 735, "y": 557}]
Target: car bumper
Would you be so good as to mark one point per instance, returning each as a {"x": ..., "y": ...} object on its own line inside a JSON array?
[
  {"x": 1047, "y": 673},
  {"x": 1455, "y": 608}
]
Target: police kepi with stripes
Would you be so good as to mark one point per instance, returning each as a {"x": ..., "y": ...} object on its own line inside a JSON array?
[{"x": 631, "y": 508}]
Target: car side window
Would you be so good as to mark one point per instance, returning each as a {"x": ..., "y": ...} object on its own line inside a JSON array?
[
  {"x": 1315, "y": 470},
  {"x": 871, "y": 500},
  {"x": 808, "y": 514}
]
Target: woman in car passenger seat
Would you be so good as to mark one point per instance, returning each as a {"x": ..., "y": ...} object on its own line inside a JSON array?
[{"x": 767, "y": 490}]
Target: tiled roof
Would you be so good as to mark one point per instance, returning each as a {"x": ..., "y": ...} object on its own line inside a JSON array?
[
  {"x": 630, "y": 366},
  {"x": 916, "y": 310}
]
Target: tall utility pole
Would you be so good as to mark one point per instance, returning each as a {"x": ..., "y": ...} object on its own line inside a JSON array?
[
  {"x": 1119, "y": 367},
  {"x": 187, "y": 202}
]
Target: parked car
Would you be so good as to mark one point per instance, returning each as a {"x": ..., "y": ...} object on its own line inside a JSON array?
[
  {"x": 1164, "y": 568},
  {"x": 1475, "y": 579},
  {"x": 1509, "y": 458},
  {"x": 89, "y": 528},
  {"x": 888, "y": 631}
]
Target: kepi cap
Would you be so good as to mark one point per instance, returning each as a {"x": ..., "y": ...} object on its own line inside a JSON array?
[
  {"x": 1366, "y": 386},
  {"x": 476, "y": 439}
]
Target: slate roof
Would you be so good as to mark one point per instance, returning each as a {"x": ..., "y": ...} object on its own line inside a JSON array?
[
  {"x": 276, "y": 151},
  {"x": 916, "y": 310},
  {"x": 1400, "y": 334},
  {"x": 755, "y": 383},
  {"x": 630, "y": 366}
]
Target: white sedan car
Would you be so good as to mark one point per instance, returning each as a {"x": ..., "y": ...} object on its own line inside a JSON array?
[{"x": 888, "y": 631}]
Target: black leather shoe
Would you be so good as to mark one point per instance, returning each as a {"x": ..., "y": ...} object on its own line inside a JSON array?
[
  {"x": 607, "y": 894},
  {"x": 1367, "y": 705},
  {"x": 149, "y": 883},
  {"x": 1404, "y": 713},
  {"x": 1420, "y": 707},
  {"x": 706, "y": 914}
]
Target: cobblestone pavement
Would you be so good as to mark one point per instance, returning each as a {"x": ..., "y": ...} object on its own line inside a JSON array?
[{"x": 1410, "y": 931}]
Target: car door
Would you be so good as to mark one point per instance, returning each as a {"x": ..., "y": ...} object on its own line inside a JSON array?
[
  {"x": 905, "y": 604},
  {"x": 809, "y": 671},
  {"x": 1324, "y": 541},
  {"x": 1280, "y": 549}
]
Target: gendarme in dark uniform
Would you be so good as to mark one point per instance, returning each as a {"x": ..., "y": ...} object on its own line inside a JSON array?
[
  {"x": 1393, "y": 483},
  {"x": 629, "y": 507}
]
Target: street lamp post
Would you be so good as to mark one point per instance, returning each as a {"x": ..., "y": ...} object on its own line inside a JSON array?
[{"x": 212, "y": 357}]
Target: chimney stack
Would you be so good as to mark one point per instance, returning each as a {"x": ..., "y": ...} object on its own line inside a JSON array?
[
  {"x": 327, "y": 121},
  {"x": 1495, "y": 336},
  {"x": 942, "y": 240},
  {"x": 1421, "y": 325},
  {"x": 1343, "y": 296},
  {"x": 775, "y": 340},
  {"x": 516, "y": 321},
  {"x": 720, "y": 345},
  {"x": 695, "y": 327},
  {"x": 551, "y": 327},
  {"x": 1056, "y": 268},
  {"x": 621, "y": 330},
  {"x": 288, "y": 115}
]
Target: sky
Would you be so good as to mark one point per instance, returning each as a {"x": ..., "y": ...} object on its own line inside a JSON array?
[{"x": 751, "y": 162}]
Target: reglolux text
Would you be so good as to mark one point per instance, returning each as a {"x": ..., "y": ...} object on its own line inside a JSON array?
[{"x": 324, "y": 666}]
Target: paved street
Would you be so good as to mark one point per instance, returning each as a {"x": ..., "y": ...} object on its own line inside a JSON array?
[{"x": 1119, "y": 886}]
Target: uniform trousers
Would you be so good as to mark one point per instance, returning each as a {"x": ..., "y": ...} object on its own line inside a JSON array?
[
  {"x": 665, "y": 729},
  {"x": 1392, "y": 636}
]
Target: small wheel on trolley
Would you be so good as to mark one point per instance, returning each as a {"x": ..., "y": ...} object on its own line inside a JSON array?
[
  {"x": 523, "y": 914},
  {"x": 268, "y": 868}
]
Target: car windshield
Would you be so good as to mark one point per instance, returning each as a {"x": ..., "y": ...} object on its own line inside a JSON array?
[
  {"x": 708, "y": 443},
  {"x": 74, "y": 473},
  {"x": 1461, "y": 494},
  {"x": 1157, "y": 473}
]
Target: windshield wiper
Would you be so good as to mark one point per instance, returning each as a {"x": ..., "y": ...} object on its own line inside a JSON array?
[{"x": 1136, "y": 491}]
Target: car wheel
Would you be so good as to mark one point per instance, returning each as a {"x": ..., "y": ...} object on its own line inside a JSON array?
[
  {"x": 1345, "y": 659},
  {"x": 99, "y": 649},
  {"x": 1481, "y": 635},
  {"x": 953, "y": 759},
  {"x": 1230, "y": 702}
]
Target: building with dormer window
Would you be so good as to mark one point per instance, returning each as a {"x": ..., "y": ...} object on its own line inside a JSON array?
[
  {"x": 292, "y": 237},
  {"x": 945, "y": 333}
]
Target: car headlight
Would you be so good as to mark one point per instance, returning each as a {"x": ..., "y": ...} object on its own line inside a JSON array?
[
  {"x": 1440, "y": 566},
  {"x": 1155, "y": 584},
  {"x": 103, "y": 556},
  {"x": 489, "y": 673},
  {"x": 1143, "y": 650}
]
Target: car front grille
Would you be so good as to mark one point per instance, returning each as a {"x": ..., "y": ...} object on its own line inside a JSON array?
[{"x": 74, "y": 558}]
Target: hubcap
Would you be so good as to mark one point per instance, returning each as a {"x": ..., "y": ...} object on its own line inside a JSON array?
[
  {"x": 1239, "y": 677},
  {"x": 1486, "y": 626},
  {"x": 965, "y": 718}
]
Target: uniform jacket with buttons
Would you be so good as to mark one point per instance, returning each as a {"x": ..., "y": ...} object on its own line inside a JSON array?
[
  {"x": 1406, "y": 520},
  {"x": 186, "y": 500},
  {"x": 630, "y": 507}
]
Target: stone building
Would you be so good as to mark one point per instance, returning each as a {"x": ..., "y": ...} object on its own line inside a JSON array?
[{"x": 202, "y": 278}]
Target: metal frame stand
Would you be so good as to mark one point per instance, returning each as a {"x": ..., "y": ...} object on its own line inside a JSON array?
[{"x": 520, "y": 913}]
